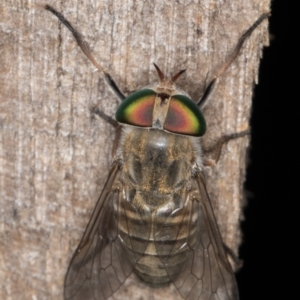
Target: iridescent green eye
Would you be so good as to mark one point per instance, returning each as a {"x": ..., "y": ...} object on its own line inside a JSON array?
[
  {"x": 184, "y": 117},
  {"x": 137, "y": 109}
]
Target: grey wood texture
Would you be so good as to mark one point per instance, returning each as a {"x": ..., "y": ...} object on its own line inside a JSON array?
[{"x": 55, "y": 154}]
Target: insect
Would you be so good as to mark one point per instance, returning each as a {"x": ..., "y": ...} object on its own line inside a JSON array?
[{"x": 154, "y": 216}]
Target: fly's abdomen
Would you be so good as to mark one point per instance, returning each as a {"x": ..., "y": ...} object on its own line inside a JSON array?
[{"x": 157, "y": 242}]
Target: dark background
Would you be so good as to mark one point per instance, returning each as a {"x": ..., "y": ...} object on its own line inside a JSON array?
[{"x": 271, "y": 225}]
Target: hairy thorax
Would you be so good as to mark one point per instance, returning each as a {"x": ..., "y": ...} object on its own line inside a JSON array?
[{"x": 157, "y": 164}]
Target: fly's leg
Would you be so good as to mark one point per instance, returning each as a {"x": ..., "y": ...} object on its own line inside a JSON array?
[
  {"x": 95, "y": 110},
  {"x": 217, "y": 148},
  {"x": 213, "y": 83},
  {"x": 236, "y": 261},
  {"x": 86, "y": 50},
  {"x": 108, "y": 119}
]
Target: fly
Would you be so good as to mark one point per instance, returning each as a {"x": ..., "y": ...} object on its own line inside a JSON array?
[{"x": 154, "y": 216}]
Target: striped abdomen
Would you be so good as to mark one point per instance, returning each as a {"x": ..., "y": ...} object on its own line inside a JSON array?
[
  {"x": 157, "y": 242},
  {"x": 155, "y": 218}
]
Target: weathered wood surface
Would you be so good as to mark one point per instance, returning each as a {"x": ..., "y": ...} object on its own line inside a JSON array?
[{"x": 55, "y": 154}]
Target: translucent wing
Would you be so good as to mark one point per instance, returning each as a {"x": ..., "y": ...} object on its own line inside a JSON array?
[
  {"x": 102, "y": 262},
  {"x": 190, "y": 246}
]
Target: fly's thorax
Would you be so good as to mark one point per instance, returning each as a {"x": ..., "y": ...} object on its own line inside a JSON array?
[{"x": 157, "y": 162}]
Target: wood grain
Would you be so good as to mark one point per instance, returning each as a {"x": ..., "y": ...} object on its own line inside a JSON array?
[{"x": 55, "y": 154}]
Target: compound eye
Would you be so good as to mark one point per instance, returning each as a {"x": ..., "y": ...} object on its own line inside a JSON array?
[
  {"x": 137, "y": 109},
  {"x": 184, "y": 117}
]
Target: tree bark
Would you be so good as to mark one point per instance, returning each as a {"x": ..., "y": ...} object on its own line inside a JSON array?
[{"x": 55, "y": 154}]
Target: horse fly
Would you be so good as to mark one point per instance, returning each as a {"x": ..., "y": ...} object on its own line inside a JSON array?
[{"x": 154, "y": 216}]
